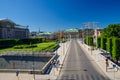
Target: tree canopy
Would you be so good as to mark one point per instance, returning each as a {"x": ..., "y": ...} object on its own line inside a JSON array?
[{"x": 113, "y": 30}]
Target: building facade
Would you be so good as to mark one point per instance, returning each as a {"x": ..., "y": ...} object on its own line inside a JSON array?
[{"x": 9, "y": 29}]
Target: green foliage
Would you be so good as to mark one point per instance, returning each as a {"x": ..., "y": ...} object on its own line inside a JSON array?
[
  {"x": 103, "y": 43},
  {"x": 109, "y": 45},
  {"x": 31, "y": 40},
  {"x": 45, "y": 46},
  {"x": 49, "y": 46},
  {"x": 24, "y": 46},
  {"x": 13, "y": 42},
  {"x": 115, "y": 48},
  {"x": 7, "y": 43},
  {"x": 98, "y": 42},
  {"x": 89, "y": 40},
  {"x": 113, "y": 30}
]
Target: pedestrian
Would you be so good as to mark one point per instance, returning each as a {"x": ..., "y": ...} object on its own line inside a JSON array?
[
  {"x": 53, "y": 63},
  {"x": 107, "y": 64},
  {"x": 106, "y": 59}
]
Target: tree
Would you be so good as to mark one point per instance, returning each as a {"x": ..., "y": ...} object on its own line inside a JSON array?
[
  {"x": 109, "y": 45},
  {"x": 89, "y": 40},
  {"x": 116, "y": 48},
  {"x": 103, "y": 43},
  {"x": 113, "y": 30},
  {"x": 98, "y": 42}
]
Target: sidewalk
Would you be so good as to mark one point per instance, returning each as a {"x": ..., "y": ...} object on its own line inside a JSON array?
[
  {"x": 53, "y": 74},
  {"x": 111, "y": 72},
  {"x": 62, "y": 51}
]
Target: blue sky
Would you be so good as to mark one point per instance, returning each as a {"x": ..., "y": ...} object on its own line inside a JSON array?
[{"x": 53, "y": 15}]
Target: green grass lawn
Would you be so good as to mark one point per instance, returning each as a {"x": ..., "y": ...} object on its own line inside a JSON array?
[{"x": 40, "y": 47}]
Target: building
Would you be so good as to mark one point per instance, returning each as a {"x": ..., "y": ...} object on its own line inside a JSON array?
[
  {"x": 47, "y": 35},
  {"x": 73, "y": 33},
  {"x": 9, "y": 29},
  {"x": 97, "y": 33},
  {"x": 33, "y": 34}
]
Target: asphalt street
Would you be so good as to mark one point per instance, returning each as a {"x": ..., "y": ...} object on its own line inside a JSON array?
[{"x": 78, "y": 65}]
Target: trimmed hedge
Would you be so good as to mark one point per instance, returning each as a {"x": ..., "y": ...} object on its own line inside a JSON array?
[
  {"x": 109, "y": 45},
  {"x": 116, "y": 48},
  {"x": 13, "y": 42},
  {"x": 31, "y": 40},
  {"x": 24, "y": 46},
  {"x": 103, "y": 43},
  {"x": 89, "y": 40},
  {"x": 98, "y": 42},
  {"x": 7, "y": 43},
  {"x": 112, "y": 45}
]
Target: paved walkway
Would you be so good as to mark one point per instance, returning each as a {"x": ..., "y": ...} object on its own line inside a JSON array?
[
  {"x": 62, "y": 51},
  {"x": 112, "y": 73},
  {"x": 53, "y": 74}
]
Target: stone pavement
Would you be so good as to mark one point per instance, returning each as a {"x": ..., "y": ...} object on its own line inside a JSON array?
[
  {"x": 112, "y": 73},
  {"x": 62, "y": 51},
  {"x": 53, "y": 74}
]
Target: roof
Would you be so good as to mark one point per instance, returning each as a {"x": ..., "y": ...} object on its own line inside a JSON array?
[
  {"x": 7, "y": 20},
  {"x": 45, "y": 33},
  {"x": 21, "y": 27},
  {"x": 72, "y": 30}
]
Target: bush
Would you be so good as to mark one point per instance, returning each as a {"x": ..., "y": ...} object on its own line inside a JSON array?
[
  {"x": 7, "y": 43},
  {"x": 89, "y": 40},
  {"x": 116, "y": 48},
  {"x": 31, "y": 40},
  {"x": 109, "y": 45},
  {"x": 103, "y": 43},
  {"x": 13, "y": 42},
  {"x": 24, "y": 46},
  {"x": 98, "y": 42}
]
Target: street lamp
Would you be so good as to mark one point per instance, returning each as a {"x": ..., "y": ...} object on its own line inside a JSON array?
[{"x": 33, "y": 65}]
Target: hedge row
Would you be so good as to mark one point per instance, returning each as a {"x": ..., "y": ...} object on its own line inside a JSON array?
[
  {"x": 24, "y": 46},
  {"x": 89, "y": 40},
  {"x": 13, "y": 42},
  {"x": 103, "y": 43},
  {"x": 112, "y": 45},
  {"x": 109, "y": 45},
  {"x": 98, "y": 45},
  {"x": 116, "y": 48}
]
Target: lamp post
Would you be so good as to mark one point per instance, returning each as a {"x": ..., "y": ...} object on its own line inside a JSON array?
[{"x": 33, "y": 65}]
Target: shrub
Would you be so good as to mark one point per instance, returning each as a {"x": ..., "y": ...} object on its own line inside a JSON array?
[
  {"x": 103, "y": 43},
  {"x": 89, "y": 40},
  {"x": 109, "y": 45},
  {"x": 24, "y": 46},
  {"x": 98, "y": 42},
  {"x": 7, "y": 43},
  {"x": 116, "y": 48}
]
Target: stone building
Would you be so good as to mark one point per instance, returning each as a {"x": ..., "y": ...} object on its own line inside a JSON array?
[{"x": 9, "y": 29}]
